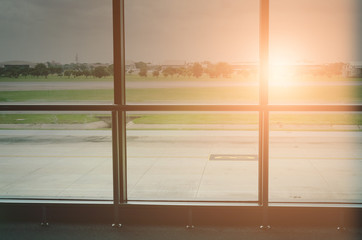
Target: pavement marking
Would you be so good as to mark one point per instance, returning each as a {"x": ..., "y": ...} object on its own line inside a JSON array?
[{"x": 237, "y": 157}]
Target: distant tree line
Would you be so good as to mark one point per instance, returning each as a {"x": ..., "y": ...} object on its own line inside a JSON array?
[
  {"x": 331, "y": 69},
  {"x": 220, "y": 69},
  {"x": 223, "y": 69},
  {"x": 323, "y": 70},
  {"x": 195, "y": 69},
  {"x": 67, "y": 70}
]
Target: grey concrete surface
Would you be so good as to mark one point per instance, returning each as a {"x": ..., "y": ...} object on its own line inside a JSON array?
[
  {"x": 81, "y": 85},
  {"x": 174, "y": 165}
]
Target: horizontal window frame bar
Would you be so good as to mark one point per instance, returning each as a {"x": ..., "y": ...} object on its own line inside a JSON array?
[
  {"x": 216, "y": 108},
  {"x": 51, "y": 201},
  {"x": 58, "y": 107},
  {"x": 56, "y": 202},
  {"x": 240, "y": 204},
  {"x": 314, "y": 205},
  {"x": 131, "y": 204},
  {"x": 322, "y": 108}
]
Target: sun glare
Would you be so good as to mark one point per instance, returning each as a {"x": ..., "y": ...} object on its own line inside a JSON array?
[{"x": 280, "y": 74}]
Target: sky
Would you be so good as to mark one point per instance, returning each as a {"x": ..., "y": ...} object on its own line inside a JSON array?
[
  {"x": 46, "y": 30},
  {"x": 184, "y": 30}
]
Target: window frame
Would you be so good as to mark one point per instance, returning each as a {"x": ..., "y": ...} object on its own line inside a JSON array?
[{"x": 120, "y": 108}]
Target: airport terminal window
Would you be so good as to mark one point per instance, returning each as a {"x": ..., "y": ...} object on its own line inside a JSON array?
[
  {"x": 314, "y": 156},
  {"x": 188, "y": 156},
  {"x": 311, "y": 62},
  {"x": 191, "y": 52},
  {"x": 204, "y": 106},
  {"x": 56, "y": 53},
  {"x": 52, "y": 155}
]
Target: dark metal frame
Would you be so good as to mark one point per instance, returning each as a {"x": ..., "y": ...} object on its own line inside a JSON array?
[{"x": 120, "y": 107}]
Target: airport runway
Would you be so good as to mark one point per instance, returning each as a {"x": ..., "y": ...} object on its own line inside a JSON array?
[{"x": 176, "y": 165}]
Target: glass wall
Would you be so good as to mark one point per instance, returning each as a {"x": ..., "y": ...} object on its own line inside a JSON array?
[
  {"x": 188, "y": 156},
  {"x": 56, "y": 155},
  {"x": 191, "y": 52},
  {"x": 315, "y": 157},
  {"x": 314, "y": 52},
  {"x": 315, "y": 59},
  {"x": 199, "y": 54},
  {"x": 56, "y": 52}
]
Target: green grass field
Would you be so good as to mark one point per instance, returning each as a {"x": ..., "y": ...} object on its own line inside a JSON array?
[
  {"x": 213, "y": 95},
  {"x": 249, "y": 118},
  {"x": 47, "y": 118},
  {"x": 56, "y": 95},
  {"x": 52, "y": 78},
  {"x": 169, "y": 120},
  {"x": 328, "y": 94}
]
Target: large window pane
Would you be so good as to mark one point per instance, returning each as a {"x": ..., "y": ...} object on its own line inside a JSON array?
[
  {"x": 315, "y": 52},
  {"x": 316, "y": 157},
  {"x": 51, "y": 155},
  {"x": 192, "y": 156},
  {"x": 191, "y": 52},
  {"x": 56, "y": 52}
]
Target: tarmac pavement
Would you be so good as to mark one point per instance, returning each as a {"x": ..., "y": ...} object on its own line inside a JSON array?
[{"x": 175, "y": 165}]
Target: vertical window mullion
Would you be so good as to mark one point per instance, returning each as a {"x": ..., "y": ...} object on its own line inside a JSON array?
[
  {"x": 119, "y": 122},
  {"x": 122, "y": 113},
  {"x": 117, "y": 50},
  {"x": 263, "y": 101}
]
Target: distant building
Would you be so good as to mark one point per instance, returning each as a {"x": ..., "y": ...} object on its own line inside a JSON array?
[
  {"x": 352, "y": 70},
  {"x": 94, "y": 65},
  {"x": 307, "y": 68},
  {"x": 17, "y": 64},
  {"x": 173, "y": 64},
  {"x": 244, "y": 66},
  {"x": 130, "y": 66}
]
